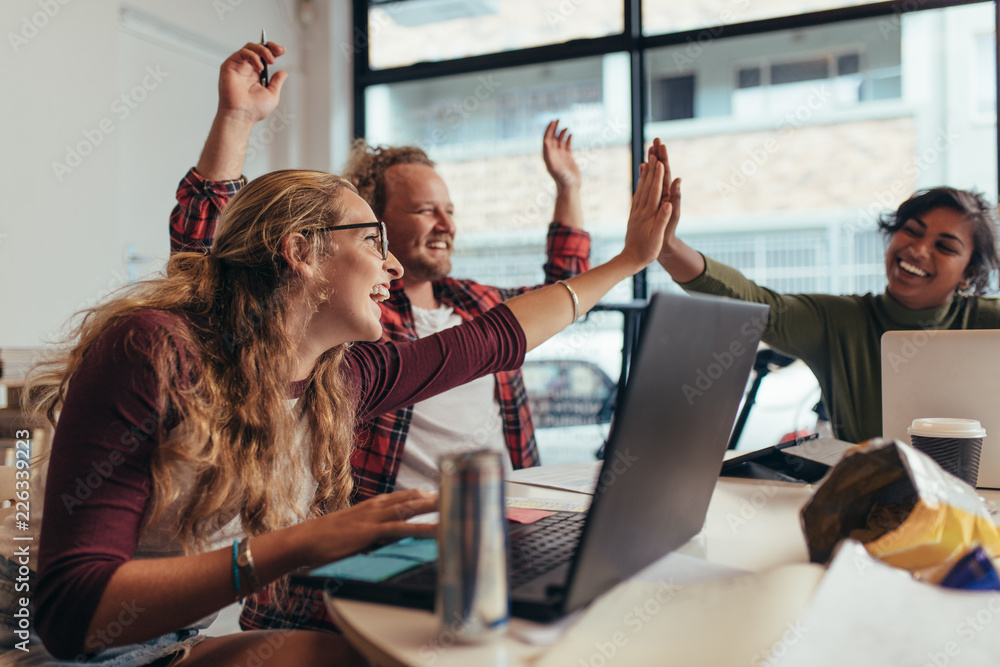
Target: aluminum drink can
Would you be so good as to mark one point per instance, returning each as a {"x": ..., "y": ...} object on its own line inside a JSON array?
[{"x": 472, "y": 599}]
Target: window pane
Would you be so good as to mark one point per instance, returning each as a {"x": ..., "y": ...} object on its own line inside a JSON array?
[
  {"x": 485, "y": 133},
  {"x": 785, "y": 180},
  {"x": 403, "y": 33},
  {"x": 748, "y": 77},
  {"x": 660, "y": 17},
  {"x": 986, "y": 76},
  {"x": 799, "y": 71}
]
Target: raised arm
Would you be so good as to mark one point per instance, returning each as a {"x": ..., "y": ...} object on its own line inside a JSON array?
[
  {"x": 544, "y": 312},
  {"x": 681, "y": 261},
  {"x": 557, "y": 151},
  {"x": 243, "y": 102},
  {"x": 205, "y": 190}
]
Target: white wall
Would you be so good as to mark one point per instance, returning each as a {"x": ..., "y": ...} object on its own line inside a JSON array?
[{"x": 89, "y": 174}]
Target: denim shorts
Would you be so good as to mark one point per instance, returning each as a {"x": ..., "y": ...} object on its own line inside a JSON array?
[{"x": 159, "y": 651}]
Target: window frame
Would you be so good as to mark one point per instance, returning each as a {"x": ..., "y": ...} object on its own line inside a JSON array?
[{"x": 633, "y": 42}]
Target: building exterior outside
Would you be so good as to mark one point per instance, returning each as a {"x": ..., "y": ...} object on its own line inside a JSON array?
[{"x": 790, "y": 144}]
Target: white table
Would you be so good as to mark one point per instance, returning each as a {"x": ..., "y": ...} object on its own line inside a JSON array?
[{"x": 750, "y": 525}]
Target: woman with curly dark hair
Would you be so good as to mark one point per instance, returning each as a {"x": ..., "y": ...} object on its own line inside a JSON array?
[{"x": 940, "y": 254}]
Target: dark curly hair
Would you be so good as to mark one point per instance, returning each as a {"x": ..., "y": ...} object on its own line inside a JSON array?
[
  {"x": 973, "y": 205},
  {"x": 366, "y": 167}
]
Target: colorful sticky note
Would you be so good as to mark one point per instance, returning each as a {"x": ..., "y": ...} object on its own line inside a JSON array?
[
  {"x": 366, "y": 567},
  {"x": 420, "y": 550},
  {"x": 522, "y": 515}
]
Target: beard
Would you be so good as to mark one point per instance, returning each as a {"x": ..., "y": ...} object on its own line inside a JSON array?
[{"x": 422, "y": 268}]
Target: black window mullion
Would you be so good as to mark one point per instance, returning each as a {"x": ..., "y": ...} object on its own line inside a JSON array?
[
  {"x": 639, "y": 90},
  {"x": 361, "y": 65}
]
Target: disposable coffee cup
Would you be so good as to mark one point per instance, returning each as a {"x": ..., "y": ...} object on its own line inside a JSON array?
[{"x": 955, "y": 444}]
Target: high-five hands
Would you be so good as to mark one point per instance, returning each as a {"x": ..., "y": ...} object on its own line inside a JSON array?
[{"x": 651, "y": 209}]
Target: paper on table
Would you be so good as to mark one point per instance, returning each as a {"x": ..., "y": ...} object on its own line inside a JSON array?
[
  {"x": 546, "y": 504},
  {"x": 580, "y": 477},
  {"x": 821, "y": 450},
  {"x": 868, "y": 613},
  {"x": 723, "y": 622}
]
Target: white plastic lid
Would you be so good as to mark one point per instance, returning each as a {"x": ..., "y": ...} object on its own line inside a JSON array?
[{"x": 946, "y": 427}]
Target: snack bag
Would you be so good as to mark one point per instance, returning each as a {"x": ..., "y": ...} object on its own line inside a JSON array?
[{"x": 902, "y": 506}]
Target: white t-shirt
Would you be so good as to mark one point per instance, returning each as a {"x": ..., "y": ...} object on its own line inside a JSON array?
[{"x": 466, "y": 417}]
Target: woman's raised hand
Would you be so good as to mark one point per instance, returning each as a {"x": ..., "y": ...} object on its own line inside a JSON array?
[{"x": 651, "y": 209}]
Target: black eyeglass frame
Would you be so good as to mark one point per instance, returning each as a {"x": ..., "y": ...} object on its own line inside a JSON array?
[{"x": 383, "y": 236}]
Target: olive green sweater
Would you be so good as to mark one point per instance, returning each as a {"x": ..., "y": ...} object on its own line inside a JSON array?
[{"x": 839, "y": 338}]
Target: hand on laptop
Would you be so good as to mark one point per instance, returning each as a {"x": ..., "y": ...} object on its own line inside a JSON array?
[{"x": 384, "y": 517}]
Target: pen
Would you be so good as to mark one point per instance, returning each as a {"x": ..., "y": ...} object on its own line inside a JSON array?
[
  {"x": 263, "y": 74},
  {"x": 796, "y": 441}
]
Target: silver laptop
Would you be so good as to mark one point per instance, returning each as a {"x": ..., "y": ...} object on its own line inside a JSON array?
[
  {"x": 944, "y": 374},
  {"x": 662, "y": 461}
]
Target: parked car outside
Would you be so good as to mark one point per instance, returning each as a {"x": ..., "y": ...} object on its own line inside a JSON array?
[{"x": 571, "y": 384}]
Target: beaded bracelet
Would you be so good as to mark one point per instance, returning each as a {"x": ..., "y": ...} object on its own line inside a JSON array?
[{"x": 236, "y": 569}]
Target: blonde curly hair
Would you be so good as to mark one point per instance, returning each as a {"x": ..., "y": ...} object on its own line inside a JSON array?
[{"x": 234, "y": 426}]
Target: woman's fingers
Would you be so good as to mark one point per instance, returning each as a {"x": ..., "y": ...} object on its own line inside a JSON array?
[{"x": 403, "y": 505}]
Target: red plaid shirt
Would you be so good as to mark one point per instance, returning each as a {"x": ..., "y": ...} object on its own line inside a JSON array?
[{"x": 379, "y": 444}]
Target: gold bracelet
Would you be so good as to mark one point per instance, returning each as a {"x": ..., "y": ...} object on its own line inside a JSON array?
[
  {"x": 572, "y": 294},
  {"x": 244, "y": 562}
]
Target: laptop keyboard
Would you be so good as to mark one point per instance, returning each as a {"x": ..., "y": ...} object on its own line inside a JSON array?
[
  {"x": 533, "y": 549},
  {"x": 540, "y": 547}
]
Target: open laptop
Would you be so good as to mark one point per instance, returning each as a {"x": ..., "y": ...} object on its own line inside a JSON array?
[
  {"x": 944, "y": 374},
  {"x": 661, "y": 464}
]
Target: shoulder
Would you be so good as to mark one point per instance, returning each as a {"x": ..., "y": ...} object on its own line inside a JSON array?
[
  {"x": 984, "y": 310},
  {"x": 144, "y": 334},
  {"x": 469, "y": 293},
  {"x": 148, "y": 325}
]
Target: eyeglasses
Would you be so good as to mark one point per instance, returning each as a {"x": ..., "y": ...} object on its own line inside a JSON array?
[{"x": 383, "y": 238}]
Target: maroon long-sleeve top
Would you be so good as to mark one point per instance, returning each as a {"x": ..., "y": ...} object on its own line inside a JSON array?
[{"x": 107, "y": 432}]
